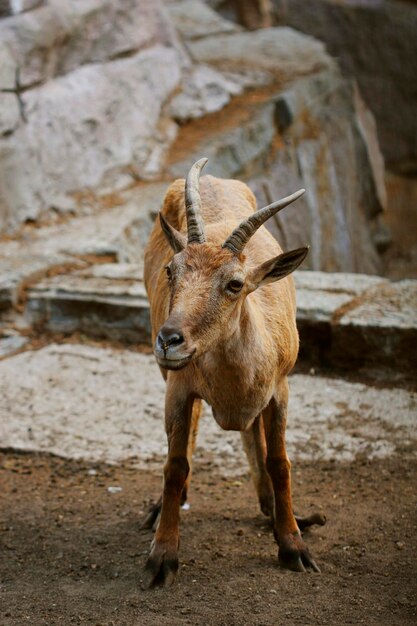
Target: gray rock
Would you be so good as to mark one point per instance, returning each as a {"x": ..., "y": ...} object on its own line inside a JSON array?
[
  {"x": 102, "y": 301},
  {"x": 320, "y": 294},
  {"x": 376, "y": 43},
  {"x": 281, "y": 52},
  {"x": 204, "y": 91},
  {"x": 325, "y": 148},
  {"x": 20, "y": 6},
  {"x": 320, "y": 297},
  {"x": 379, "y": 328},
  {"x": 9, "y": 107},
  {"x": 17, "y": 272},
  {"x": 194, "y": 19},
  {"x": 61, "y": 36},
  {"x": 11, "y": 344},
  {"x": 109, "y": 118},
  {"x": 120, "y": 231},
  {"x": 231, "y": 147},
  {"x": 118, "y": 234}
]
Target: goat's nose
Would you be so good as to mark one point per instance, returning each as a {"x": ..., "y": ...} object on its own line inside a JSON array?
[{"x": 168, "y": 337}]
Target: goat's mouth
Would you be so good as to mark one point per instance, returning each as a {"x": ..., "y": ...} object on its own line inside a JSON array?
[{"x": 173, "y": 362}]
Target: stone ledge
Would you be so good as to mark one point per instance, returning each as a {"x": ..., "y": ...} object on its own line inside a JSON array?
[
  {"x": 103, "y": 301},
  {"x": 344, "y": 320}
]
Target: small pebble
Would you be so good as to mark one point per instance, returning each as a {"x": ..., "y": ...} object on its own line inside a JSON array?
[{"x": 114, "y": 489}]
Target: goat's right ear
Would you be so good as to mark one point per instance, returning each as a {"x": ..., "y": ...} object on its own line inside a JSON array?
[
  {"x": 278, "y": 268},
  {"x": 176, "y": 240}
]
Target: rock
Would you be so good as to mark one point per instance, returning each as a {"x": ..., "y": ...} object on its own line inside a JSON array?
[
  {"x": 323, "y": 146},
  {"x": 352, "y": 320},
  {"x": 320, "y": 296},
  {"x": 118, "y": 234},
  {"x": 231, "y": 143},
  {"x": 95, "y": 107},
  {"x": 204, "y": 91},
  {"x": 400, "y": 260},
  {"x": 194, "y": 19},
  {"x": 97, "y": 404},
  {"x": 120, "y": 231},
  {"x": 62, "y": 36},
  {"x": 11, "y": 344},
  {"x": 16, "y": 273},
  {"x": 9, "y": 106},
  {"x": 281, "y": 53},
  {"x": 13, "y": 7},
  {"x": 379, "y": 328},
  {"x": 376, "y": 43},
  {"x": 103, "y": 301}
]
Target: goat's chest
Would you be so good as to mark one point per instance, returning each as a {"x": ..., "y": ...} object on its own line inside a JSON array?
[{"x": 236, "y": 396}]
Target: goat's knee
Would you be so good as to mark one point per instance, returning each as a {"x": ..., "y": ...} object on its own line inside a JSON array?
[
  {"x": 279, "y": 469},
  {"x": 175, "y": 474}
]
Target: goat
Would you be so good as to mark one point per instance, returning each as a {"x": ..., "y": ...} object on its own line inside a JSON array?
[{"x": 224, "y": 331}]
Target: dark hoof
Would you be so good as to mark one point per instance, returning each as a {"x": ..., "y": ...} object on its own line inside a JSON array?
[
  {"x": 311, "y": 520},
  {"x": 294, "y": 555},
  {"x": 161, "y": 567}
]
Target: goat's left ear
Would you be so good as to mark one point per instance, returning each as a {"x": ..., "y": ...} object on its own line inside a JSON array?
[{"x": 277, "y": 268}]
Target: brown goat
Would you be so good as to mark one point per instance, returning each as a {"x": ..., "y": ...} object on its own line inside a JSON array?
[{"x": 223, "y": 330}]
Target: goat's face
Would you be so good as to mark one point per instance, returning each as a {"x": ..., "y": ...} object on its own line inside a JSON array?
[
  {"x": 207, "y": 285},
  {"x": 208, "y": 282}
]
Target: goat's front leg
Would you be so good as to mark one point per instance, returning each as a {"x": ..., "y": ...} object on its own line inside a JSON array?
[
  {"x": 293, "y": 552},
  {"x": 162, "y": 564}
]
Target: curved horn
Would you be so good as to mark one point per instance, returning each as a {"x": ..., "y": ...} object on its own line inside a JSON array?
[
  {"x": 241, "y": 235},
  {"x": 195, "y": 224}
]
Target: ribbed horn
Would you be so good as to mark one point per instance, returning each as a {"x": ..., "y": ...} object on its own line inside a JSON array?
[
  {"x": 241, "y": 235},
  {"x": 195, "y": 224}
]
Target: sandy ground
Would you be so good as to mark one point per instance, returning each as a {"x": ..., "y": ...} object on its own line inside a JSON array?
[{"x": 72, "y": 552}]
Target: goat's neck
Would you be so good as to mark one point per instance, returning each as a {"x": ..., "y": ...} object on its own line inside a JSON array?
[{"x": 246, "y": 348}]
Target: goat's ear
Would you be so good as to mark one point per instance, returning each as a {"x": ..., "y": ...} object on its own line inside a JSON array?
[
  {"x": 277, "y": 268},
  {"x": 176, "y": 240}
]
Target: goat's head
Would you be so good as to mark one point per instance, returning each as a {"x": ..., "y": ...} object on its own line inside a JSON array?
[{"x": 209, "y": 282}]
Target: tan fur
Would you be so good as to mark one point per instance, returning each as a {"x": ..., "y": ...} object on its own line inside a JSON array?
[{"x": 244, "y": 349}]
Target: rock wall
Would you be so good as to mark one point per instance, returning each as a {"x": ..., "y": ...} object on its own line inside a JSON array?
[
  {"x": 376, "y": 43},
  {"x": 111, "y": 94}
]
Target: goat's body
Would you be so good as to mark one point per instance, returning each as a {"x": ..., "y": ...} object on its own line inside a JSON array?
[
  {"x": 240, "y": 388},
  {"x": 235, "y": 346}
]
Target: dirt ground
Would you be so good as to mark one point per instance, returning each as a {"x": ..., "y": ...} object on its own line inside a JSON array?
[{"x": 72, "y": 551}]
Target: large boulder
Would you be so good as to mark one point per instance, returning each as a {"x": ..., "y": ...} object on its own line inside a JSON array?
[
  {"x": 326, "y": 145},
  {"x": 100, "y": 118},
  {"x": 61, "y": 36},
  {"x": 95, "y": 78}
]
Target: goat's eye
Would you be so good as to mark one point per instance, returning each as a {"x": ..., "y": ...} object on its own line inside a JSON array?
[
  {"x": 235, "y": 286},
  {"x": 168, "y": 271}
]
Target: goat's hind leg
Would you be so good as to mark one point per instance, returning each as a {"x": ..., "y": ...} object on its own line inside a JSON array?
[
  {"x": 293, "y": 552},
  {"x": 152, "y": 517},
  {"x": 254, "y": 445}
]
